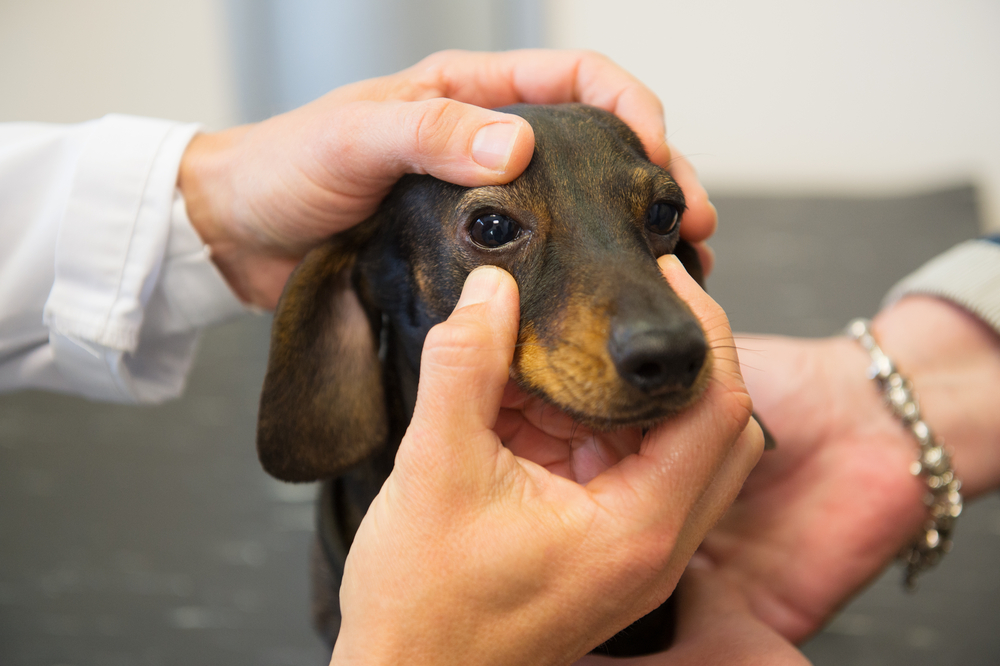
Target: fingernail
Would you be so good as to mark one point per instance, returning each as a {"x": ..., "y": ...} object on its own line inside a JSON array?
[
  {"x": 493, "y": 145},
  {"x": 671, "y": 259},
  {"x": 671, "y": 262},
  {"x": 480, "y": 286}
]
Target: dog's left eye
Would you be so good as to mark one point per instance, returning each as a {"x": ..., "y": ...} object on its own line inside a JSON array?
[
  {"x": 662, "y": 218},
  {"x": 494, "y": 230}
]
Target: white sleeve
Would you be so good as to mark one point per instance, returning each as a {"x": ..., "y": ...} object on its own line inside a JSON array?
[{"x": 104, "y": 284}]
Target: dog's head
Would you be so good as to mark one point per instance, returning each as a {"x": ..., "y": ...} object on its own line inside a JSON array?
[{"x": 602, "y": 336}]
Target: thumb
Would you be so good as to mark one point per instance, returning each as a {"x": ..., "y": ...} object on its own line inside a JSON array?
[
  {"x": 455, "y": 142},
  {"x": 465, "y": 364}
]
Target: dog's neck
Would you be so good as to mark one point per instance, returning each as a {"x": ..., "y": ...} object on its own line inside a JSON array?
[{"x": 407, "y": 374}]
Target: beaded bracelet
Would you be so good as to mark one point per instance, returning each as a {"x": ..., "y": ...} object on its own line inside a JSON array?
[{"x": 943, "y": 499}]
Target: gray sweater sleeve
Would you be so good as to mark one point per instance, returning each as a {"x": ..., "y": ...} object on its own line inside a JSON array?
[{"x": 968, "y": 275}]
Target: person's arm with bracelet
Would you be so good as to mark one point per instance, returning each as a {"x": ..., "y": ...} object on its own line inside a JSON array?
[{"x": 825, "y": 513}]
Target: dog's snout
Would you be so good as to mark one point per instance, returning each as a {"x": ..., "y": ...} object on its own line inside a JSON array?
[{"x": 658, "y": 359}]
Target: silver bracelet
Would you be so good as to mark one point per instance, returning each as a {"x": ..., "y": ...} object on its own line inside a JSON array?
[{"x": 943, "y": 499}]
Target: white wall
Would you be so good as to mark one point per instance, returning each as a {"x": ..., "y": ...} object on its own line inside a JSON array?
[
  {"x": 855, "y": 96},
  {"x": 68, "y": 61},
  {"x": 852, "y": 96}
]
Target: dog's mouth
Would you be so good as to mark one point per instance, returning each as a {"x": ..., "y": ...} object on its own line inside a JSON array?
[{"x": 533, "y": 428}]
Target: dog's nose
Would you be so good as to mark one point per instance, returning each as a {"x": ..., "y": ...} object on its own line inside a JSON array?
[{"x": 658, "y": 359}]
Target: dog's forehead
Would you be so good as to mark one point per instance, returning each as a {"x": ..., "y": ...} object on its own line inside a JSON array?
[
  {"x": 580, "y": 139},
  {"x": 570, "y": 124},
  {"x": 585, "y": 194},
  {"x": 581, "y": 153}
]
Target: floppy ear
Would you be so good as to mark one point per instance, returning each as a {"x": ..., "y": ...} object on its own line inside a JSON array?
[
  {"x": 689, "y": 257},
  {"x": 322, "y": 408}
]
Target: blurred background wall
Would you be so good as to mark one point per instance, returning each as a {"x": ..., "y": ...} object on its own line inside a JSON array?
[
  {"x": 852, "y": 96},
  {"x": 287, "y": 53},
  {"x": 777, "y": 96},
  {"x": 66, "y": 61}
]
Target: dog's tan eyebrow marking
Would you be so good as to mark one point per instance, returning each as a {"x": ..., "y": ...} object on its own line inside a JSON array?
[
  {"x": 495, "y": 196},
  {"x": 515, "y": 200},
  {"x": 641, "y": 177}
]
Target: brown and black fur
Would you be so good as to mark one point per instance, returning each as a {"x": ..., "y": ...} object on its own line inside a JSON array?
[{"x": 602, "y": 335}]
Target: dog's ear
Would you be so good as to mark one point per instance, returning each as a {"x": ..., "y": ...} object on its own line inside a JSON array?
[
  {"x": 689, "y": 257},
  {"x": 322, "y": 408}
]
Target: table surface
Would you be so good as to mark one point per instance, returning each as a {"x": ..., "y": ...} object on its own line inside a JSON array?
[{"x": 149, "y": 535}]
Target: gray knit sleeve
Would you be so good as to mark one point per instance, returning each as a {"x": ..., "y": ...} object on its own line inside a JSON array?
[{"x": 968, "y": 275}]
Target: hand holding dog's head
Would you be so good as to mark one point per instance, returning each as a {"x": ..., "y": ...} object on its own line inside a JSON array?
[
  {"x": 602, "y": 335},
  {"x": 463, "y": 522}
]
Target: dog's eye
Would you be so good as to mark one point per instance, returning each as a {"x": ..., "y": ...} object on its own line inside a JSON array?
[
  {"x": 662, "y": 218},
  {"x": 494, "y": 230}
]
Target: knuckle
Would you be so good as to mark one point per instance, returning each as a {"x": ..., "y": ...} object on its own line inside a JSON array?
[
  {"x": 433, "y": 125},
  {"x": 595, "y": 56},
  {"x": 451, "y": 336},
  {"x": 443, "y": 57}
]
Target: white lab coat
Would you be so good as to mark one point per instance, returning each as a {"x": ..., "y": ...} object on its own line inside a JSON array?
[{"x": 104, "y": 284}]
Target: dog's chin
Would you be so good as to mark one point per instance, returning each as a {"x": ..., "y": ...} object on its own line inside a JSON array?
[{"x": 645, "y": 419}]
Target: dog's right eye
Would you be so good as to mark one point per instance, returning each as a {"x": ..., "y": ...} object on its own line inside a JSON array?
[
  {"x": 662, "y": 218},
  {"x": 492, "y": 230}
]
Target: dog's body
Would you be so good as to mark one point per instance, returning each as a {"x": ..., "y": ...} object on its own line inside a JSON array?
[{"x": 602, "y": 335}]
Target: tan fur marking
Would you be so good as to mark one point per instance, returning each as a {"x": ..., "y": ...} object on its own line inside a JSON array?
[{"x": 574, "y": 370}]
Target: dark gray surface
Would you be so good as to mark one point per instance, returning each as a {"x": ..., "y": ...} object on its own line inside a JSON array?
[{"x": 149, "y": 535}]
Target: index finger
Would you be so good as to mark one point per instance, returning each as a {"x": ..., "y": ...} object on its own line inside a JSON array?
[{"x": 680, "y": 457}]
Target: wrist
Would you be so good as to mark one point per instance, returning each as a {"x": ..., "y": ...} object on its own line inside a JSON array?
[
  {"x": 204, "y": 180},
  {"x": 252, "y": 269},
  {"x": 953, "y": 360},
  {"x": 869, "y": 419},
  {"x": 832, "y": 426}
]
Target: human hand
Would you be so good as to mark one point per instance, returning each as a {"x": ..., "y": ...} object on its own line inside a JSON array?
[
  {"x": 715, "y": 625},
  {"x": 262, "y": 195},
  {"x": 471, "y": 554},
  {"x": 830, "y": 508}
]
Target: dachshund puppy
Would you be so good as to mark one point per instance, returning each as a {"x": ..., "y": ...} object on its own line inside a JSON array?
[{"x": 602, "y": 335}]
